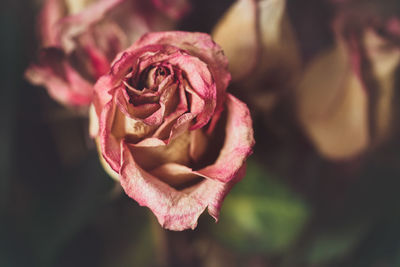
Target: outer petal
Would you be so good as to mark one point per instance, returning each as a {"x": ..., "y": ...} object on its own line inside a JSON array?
[
  {"x": 237, "y": 146},
  {"x": 108, "y": 142},
  {"x": 333, "y": 105},
  {"x": 112, "y": 173},
  {"x": 175, "y": 210},
  {"x": 93, "y": 122}
]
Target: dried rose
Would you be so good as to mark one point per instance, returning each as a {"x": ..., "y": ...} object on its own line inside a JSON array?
[
  {"x": 167, "y": 129},
  {"x": 79, "y": 39},
  {"x": 345, "y": 99}
]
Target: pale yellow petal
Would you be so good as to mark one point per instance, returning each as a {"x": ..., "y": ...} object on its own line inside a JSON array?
[
  {"x": 333, "y": 106},
  {"x": 237, "y": 34}
]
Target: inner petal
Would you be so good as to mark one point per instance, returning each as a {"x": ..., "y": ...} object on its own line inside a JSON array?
[
  {"x": 176, "y": 175},
  {"x": 131, "y": 129},
  {"x": 155, "y": 76},
  {"x": 132, "y": 111},
  {"x": 152, "y": 153}
]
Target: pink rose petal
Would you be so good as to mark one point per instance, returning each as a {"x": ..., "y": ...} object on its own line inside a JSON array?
[
  {"x": 238, "y": 143},
  {"x": 175, "y": 210}
]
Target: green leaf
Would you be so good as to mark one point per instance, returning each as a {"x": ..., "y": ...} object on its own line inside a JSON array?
[{"x": 261, "y": 214}]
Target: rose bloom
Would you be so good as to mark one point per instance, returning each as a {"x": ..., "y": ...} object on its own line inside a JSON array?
[
  {"x": 167, "y": 129},
  {"x": 80, "y": 38},
  {"x": 342, "y": 94}
]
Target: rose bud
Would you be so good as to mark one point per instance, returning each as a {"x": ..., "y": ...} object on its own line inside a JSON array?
[
  {"x": 167, "y": 129},
  {"x": 345, "y": 99},
  {"x": 79, "y": 39},
  {"x": 263, "y": 54}
]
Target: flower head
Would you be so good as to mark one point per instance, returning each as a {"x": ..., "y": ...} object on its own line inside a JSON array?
[{"x": 167, "y": 129}]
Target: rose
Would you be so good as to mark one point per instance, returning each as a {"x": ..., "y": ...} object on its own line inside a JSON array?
[
  {"x": 167, "y": 129},
  {"x": 345, "y": 98},
  {"x": 80, "y": 39}
]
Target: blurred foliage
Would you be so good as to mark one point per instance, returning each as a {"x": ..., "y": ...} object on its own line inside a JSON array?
[
  {"x": 333, "y": 244},
  {"x": 261, "y": 214},
  {"x": 362, "y": 229}
]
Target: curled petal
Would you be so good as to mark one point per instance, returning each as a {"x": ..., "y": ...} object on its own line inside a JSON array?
[
  {"x": 140, "y": 112},
  {"x": 181, "y": 126},
  {"x": 198, "y": 45},
  {"x": 164, "y": 131},
  {"x": 109, "y": 144},
  {"x": 332, "y": 105},
  {"x": 151, "y": 153},
  {"x": 237, "y": 145},
  {"x": 202, "y": 84},
  {"x": 126, "y": 59},
  {"x": 198, "y": 144},
  {"x": 168, "y": 101},
  {"x": 93, "y": 122},
  {"x": 175, "y": 210},
  {"x": 126, "y": 127},
  {"x": 112, "y": 173},
  {"x": 174, "y": 174},
  {"x": 107, "y": 83}
]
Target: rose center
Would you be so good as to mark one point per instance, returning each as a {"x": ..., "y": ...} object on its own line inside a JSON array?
[
  {"x": 155, "y": 76},
  {"x": 148, "y": 85}
]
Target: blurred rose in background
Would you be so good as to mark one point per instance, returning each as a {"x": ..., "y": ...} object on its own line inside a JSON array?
[
  {"x": 346, "y": 98},
  {"x": 81, "y": 38}
]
